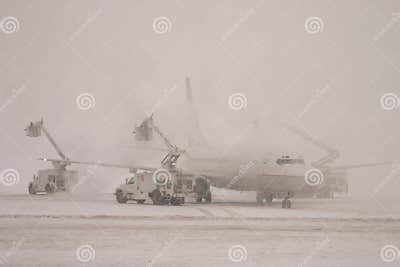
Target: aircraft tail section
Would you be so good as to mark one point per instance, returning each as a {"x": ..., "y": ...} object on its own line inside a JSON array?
[{"x": 195, "y": 137}]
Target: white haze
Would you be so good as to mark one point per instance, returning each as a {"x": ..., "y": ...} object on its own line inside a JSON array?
[{"x": 258, "y": 48}]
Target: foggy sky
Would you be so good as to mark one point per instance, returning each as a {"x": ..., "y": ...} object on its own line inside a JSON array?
[{"x": 258, "y": 48}]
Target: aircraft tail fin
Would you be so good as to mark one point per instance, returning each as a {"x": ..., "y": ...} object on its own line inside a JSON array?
[{"x": 195, "y": 135}]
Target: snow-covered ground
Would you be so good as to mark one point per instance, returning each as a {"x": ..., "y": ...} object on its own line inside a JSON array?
[
  {"x": 224, "y": 205},
  {"x": 67, "y": 230}
]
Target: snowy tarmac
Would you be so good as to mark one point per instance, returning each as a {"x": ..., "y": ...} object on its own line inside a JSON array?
[{"x": 65, "y": 230}]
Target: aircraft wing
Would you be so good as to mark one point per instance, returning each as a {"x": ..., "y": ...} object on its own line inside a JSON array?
[
  {"x": 132, "y": 168},
  {"x": 356, "y": 166}
]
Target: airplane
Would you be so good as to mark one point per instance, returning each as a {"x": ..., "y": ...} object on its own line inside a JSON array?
[{"x": 271, "y": 176}]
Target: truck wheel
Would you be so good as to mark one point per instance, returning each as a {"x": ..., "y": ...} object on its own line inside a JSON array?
[
  {"x": 31, "y": 189},
  {"x": 199, "y": 198},
  {"x": 140, "y": 201},
  {"x": 120, "y": 197},
  {"x": 174, "y": 201},
  {"x": 208, "y": 197},
  {"x": 156, "y": 197},
  {"x": 259, "y": 198},
  {"x": 284, "y": 202},
  {"x": 49, "y": 189},
  {"x": 177, "y": 201}
]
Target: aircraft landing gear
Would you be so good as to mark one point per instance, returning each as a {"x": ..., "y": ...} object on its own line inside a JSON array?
[
  {"x": 286, "y": 202},
  {"x": 269, "y": 198},
  {"x": 31, "y": 189},
  {"x": 202, "y": 190}
]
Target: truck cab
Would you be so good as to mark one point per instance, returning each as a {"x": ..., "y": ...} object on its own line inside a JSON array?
[
  {"x": 135, "y": 188},
  {"x": 52, "y": 180},
  {"x": 140, "y": 187}
]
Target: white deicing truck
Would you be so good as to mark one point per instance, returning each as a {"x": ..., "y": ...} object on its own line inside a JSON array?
[
  {"x": 161, "y": 187},
  {"x": 51, "y": 180}
]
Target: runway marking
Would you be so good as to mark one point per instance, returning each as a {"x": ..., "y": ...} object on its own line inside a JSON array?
[{"x": 164, "y": 248}]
